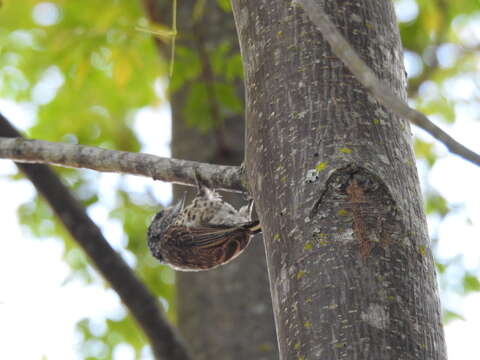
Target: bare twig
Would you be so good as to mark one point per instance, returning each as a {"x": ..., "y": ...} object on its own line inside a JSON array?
[
  {"x": 78, "y": 156},
  {"x": 165, "y": 342},
  {"x": 341, "y": 48}
]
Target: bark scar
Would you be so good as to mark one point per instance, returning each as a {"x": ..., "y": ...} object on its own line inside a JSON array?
[
  {"x": 374, "y": 215},
  {"x": 356, "y": 198}
]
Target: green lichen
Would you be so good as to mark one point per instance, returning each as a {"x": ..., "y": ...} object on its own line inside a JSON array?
[
  {"x": 308, "y": 300},
  {"x": 308, "y": 246},
  {"x": 423, "y": 250},
  {"x": 297, "y": 346},
  {"x": 376, "y": 121},
  {"x": 345, "y": 150},
  {"x": 265, "y": 347},
  {"x": 321, "y": 166},
  {"x": 342, "y": 212},
  {"x": 300, "y": 274},
  {"x": 321, "y": 238},
  {"x": 339, "y": 345},
  {"x": 276, "y": 237},
  {"x": 307, "y": 324},
  {"x": 283, "y": 179}
]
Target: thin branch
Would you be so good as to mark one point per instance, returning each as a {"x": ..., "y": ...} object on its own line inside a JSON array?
[
  {"x": 341, "y": 48},
  {"x": 77, "y": 156},
  {"x": 165, "y": 342}
]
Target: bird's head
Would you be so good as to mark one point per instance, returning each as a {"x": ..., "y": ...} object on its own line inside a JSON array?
[{"x": 160, "y": 223}]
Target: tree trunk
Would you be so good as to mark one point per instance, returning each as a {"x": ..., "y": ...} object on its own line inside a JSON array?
[
  {"x": 334, "y": 180},
  {"x": 224, "y": 313}
]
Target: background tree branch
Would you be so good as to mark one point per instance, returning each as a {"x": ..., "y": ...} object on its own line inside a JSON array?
[
  {"x": 159, "y": 168},
  {"x": 341, "y": 48},
  {"x": 205, "y": 300},
  {"x": 165, "y": 342}
]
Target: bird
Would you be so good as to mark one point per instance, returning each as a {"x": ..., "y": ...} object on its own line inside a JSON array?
[{"x": 203, "y": 235}]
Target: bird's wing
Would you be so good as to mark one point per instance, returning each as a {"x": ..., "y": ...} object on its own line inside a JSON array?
[
  {"x": 212, "y": 235},
  {"x": 205, "y": 236},
  {"x": 209, "y": 235}
]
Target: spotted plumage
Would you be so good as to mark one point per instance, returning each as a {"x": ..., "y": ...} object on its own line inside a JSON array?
[{"x": 203, "y": 235}]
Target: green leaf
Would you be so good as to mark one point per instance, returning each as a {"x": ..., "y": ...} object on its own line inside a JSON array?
[
  {"x": 198, "y": 10},
  {"x": 440, "y": 267},
  {"x": 187, "y": 67},
  {"x": 225, "y": 5},
  {"x": 197, "y": 110},
  {"x": 425, "y": 150},
  {"x": 436, "y": 204},
  {"x": 219, "y": 57},
  {"x": 470, "y": 283},
  {"x": 226, "y": 94},
  {"x": 234, "y": 68},
  {"x": 449, "y": 315}
]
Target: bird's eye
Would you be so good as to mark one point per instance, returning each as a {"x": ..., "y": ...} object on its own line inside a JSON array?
[{"x": 159, "y": 215}]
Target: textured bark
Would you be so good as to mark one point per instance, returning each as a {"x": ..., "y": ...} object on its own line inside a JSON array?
[
  {"x": 334, "y": 179},
  {"x": 379, "y": 89},
  {"x": 224, "y": 313}
]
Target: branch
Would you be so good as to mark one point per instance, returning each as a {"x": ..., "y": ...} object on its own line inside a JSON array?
[
  {"x": 367, "y": 78},
  {"x": 78, "y": 156},
  {"x": 165, "y": 343}
]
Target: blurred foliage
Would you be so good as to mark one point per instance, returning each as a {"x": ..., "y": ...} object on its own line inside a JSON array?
[
  {"x": 226, "y": 67},
  {"x": 442, "y": 42},
  {"x": 86, "y": 69}
]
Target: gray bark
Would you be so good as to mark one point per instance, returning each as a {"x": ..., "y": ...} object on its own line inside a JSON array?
[
  {"x": 88, "y": 157},
  {"x": 334, "y": 179},
  {"x": 224, "y": 313}
]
